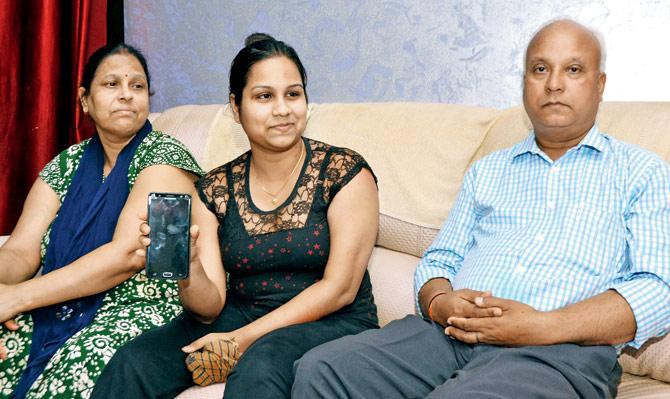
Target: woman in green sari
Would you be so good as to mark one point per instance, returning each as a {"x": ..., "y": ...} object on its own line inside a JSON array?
[{"x": 79, "y": 225}]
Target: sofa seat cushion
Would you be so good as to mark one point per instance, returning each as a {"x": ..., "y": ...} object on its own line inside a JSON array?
[
  {"x": 214, "y": 391},
  {"x": 635, "y": 387}
]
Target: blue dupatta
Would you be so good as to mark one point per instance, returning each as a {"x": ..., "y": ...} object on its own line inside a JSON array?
[{"x": 86, "y": 220}]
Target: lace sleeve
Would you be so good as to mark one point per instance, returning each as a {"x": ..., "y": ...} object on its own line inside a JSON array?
[
  {"x": 212, "y": 189},
  {"x": 343, "y": 165}
]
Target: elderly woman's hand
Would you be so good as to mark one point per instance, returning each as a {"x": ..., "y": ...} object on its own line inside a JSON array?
[
  {"x": 8, "y": 310},
  {"x": 9, "y": 302},
  {"x": 137, "y": 257}
]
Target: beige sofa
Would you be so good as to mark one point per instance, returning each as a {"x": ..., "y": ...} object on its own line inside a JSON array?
[{"x": 420, "y": 152}]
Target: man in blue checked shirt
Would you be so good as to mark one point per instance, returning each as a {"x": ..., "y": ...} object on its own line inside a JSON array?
[{"x": 555, "y": 256}]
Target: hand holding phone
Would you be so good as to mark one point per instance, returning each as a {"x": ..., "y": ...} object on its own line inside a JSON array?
[{"x": 169, "y": 217}]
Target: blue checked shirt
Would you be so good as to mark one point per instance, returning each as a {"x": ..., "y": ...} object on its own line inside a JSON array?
[{"x": 550, "y": 234}]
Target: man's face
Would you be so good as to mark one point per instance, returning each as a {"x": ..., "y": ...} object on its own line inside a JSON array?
[{"x": 563, "y": 84}]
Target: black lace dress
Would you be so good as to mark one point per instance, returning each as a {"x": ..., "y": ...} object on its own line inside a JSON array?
[{"x": 271, "y": 256}]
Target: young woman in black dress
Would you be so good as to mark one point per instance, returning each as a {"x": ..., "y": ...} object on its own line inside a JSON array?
[{"x": 293, "y": 221}]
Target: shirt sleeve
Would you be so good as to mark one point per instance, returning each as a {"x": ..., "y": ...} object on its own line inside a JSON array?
[
  {"x": 444, "y": 257},
  {"x": 646, "y": 284}
]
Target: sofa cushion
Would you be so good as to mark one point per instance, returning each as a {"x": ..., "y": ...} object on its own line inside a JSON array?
[
  {"x": 644, "y": 124},
  {"x": 404, "y": 236},
  {"x": 214, "y": 391},
  {"x": 652, "y": 359},
  {"x": 192, "y": 124},
  {"x": 226, "y": 138},
  {"x": 392, "y": 276},
  {"x": 633, "y": 387},
  {"x": 415, "y": 190}
]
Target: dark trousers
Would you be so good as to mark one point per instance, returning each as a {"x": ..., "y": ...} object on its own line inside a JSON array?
[
  {"x": 152, "y": 365},
  {"x": 412, "y": 358}
]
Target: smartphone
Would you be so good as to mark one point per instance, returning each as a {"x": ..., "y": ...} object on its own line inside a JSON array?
[{"x": 170, "y": 220}]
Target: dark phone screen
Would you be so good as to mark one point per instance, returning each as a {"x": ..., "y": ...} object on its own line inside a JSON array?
[{"x": 170, "y": 220}]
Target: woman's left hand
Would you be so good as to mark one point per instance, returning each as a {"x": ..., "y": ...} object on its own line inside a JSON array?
[
  {"x": 211, "y": 358},
  {"x": 243, "y": 341},
  {"x": 8, "y": 302}
]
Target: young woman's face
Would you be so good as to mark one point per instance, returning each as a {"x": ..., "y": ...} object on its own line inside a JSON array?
[
  {"x": 273, "y": 110},
  {"x": 118, "y": 100}
]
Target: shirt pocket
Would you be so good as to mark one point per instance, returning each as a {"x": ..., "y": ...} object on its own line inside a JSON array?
[
  {"x": 592, "y": 238},
  {"x": 505, "y": 230}
]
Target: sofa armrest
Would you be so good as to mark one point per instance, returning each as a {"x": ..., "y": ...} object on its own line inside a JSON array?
[{"x": 392, "y": 273}]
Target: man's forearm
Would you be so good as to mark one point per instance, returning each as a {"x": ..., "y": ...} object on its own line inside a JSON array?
[{"x": 605, "y": 319}]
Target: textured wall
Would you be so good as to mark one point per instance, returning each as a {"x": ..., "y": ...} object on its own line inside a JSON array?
[{"x": 467, "y": 52}]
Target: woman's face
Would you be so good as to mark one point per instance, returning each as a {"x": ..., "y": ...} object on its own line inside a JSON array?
[
  {"x": 273, "y": 111},
  {"x": 118, "y": 100}
]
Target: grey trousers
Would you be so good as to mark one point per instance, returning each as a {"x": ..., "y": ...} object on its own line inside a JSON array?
[{"x": 413, "y": 358}]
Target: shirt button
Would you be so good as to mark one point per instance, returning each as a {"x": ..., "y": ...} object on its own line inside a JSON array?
[
  {"x": 551, "y": 204},
  {"x": 539, "y": 237},
  {"x": 519, "y": 269},
  {"x": 555, "y": 169}
]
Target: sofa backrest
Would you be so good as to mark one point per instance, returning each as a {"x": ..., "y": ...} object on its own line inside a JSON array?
[
  {"x": 646, "y": 124},
  {"x": 419, "y": 151}
]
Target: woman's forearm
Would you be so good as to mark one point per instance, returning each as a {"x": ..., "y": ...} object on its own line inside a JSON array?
[
  {"x": 203, "y": 294},
  {"x": 316, "y": 301},
  {"x": 15, "y": 268},
  {"x": 95, "y": 272},
  {"x": 200, "y": 296},
  {"x": 20, "y": 254}
]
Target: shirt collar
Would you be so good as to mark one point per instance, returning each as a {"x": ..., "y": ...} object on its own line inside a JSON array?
[{"x": 593, "y": 139}]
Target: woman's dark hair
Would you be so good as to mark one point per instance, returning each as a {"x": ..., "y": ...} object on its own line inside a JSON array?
[
  {"x": 103, "y": 52},
  {"x": 258, "y": 47}
]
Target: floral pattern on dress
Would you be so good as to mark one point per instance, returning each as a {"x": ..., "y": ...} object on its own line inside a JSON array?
[{"x": 131, "y": 308}]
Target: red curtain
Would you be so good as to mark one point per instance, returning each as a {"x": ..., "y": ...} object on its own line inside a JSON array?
[{"x": 44, "y": 45}]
